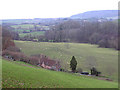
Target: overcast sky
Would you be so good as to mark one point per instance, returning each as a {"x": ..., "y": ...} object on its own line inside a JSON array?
[{"x": 21, "y": 9}]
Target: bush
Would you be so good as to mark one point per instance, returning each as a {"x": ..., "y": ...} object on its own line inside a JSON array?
[
  {"x": 79, "y": 70},
  {"x": 94, "y": 71},
  {"x": 62, "y": 69},
  {"x": 16, "y": 56},
  {"x": 13, "y": 49},
  {"x": 34, "y": 60}
]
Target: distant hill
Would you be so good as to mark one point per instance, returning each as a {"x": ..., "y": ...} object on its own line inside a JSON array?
[
  {"x": 97, "y": 14},
  {"x": 107, "y": 14}
]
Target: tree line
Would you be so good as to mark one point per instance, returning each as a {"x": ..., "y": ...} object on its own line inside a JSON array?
[{"x": 105, "y": 34}]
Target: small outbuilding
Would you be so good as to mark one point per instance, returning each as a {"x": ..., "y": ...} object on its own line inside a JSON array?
[{"x": 85, "y": 73}]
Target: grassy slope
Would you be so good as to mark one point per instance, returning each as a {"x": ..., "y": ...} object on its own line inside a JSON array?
[
  {"x": 106, "y": 59},
  {"x": 18, "y": 75}
]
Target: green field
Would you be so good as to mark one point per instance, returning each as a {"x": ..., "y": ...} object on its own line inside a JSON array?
[
  {"x": 34, "y": 34},
  {"x": 21, "y": 75},
  {"x": 87, "y": 55},
  {"x": 27, "y": 27},
  {"x": 23, "y": 26},
  {"x": 20, "y": 30}
]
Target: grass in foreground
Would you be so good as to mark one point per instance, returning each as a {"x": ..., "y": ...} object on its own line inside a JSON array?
[{"x": 16, "y": 75}]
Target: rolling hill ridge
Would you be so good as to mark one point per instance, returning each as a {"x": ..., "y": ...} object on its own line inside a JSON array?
[{"x": 97, "y": 14}]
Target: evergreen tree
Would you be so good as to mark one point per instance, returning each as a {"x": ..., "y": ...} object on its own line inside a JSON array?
[{"x": 73, "y": 64}]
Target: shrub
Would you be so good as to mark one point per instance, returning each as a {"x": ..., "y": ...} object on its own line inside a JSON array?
[
  {"x": 13, "y": 49},
  {"x": 79, "y": 70},
  {"x": 62, "y": 69},
  {"x": 34, "y": 60},
  {"x": 16, "y": 56},
  {"x": 94, "y": 71}
]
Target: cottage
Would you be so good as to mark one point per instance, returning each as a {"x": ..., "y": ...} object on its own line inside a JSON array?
[
  {"x": 48, "y": 63},
  {"x": 85, "y": 73}
]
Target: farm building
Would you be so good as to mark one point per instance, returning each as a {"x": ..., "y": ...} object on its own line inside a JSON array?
[
  {"x": 39, "y": 60},
  {"x": 85, "y": 73},
  {"x": 48, "y": 63}
]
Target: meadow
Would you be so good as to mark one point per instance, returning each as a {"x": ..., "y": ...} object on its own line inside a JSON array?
[
  {"x": 26, "y": 28},
  {"x": 21, "y": 75},
  {"x": 87, "y": 55},
  {"x": 23, "y": 26},
  {"x": 34, "y": 34}
]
